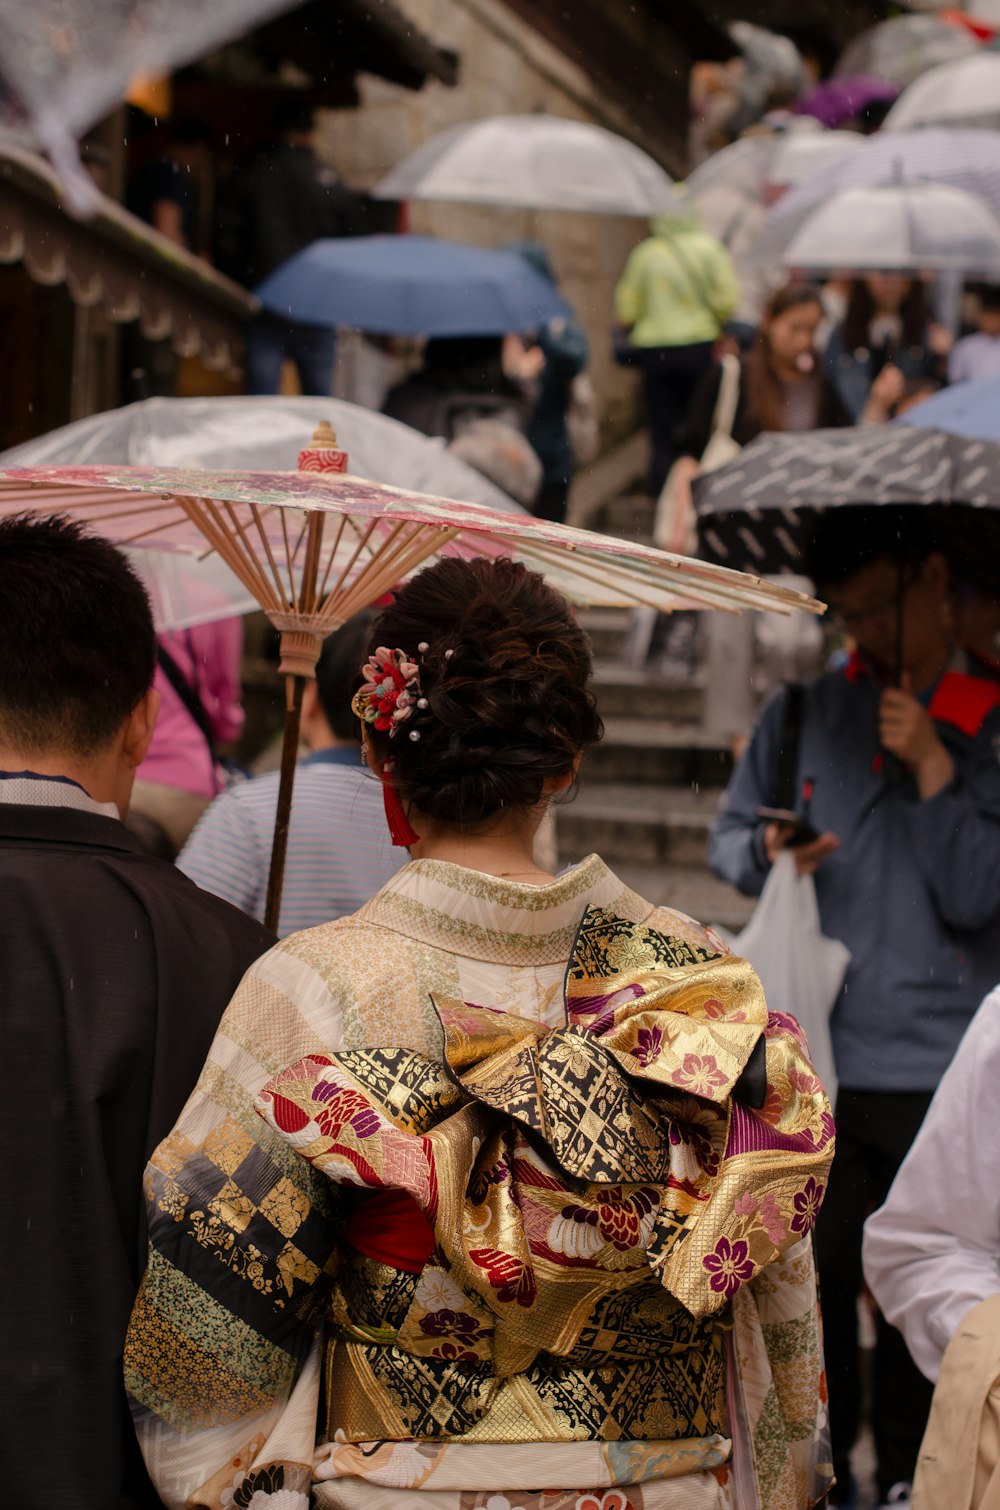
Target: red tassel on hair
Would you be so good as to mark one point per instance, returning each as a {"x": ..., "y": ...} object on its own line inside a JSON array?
[{"x": 400, "y": 830}]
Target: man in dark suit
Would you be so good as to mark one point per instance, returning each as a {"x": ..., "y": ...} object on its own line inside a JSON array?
[{"x": 114, "y": 972}]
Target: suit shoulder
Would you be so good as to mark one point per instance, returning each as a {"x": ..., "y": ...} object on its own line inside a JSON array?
[{"x": 165, "y": 890}]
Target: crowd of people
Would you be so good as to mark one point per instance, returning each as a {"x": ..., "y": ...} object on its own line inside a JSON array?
[{"x": 481, "y": 1186}]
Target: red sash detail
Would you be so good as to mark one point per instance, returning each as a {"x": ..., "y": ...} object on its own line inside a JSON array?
[{"x": 391, "y": 1228}]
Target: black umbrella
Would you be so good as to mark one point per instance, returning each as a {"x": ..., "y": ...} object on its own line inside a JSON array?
[{"x": 756, "y": 512}]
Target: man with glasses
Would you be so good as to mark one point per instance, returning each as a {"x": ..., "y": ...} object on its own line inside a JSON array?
[{"x": 894, "y": 764}]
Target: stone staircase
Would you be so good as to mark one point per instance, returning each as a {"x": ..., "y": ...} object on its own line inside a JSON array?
[{"x": 648, "y": 794}]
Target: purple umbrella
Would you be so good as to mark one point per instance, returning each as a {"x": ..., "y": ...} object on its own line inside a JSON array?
[{"x": 836, "y": 101}]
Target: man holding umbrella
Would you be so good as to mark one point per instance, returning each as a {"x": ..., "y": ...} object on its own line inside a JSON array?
[{"x": 894, "y": 769}]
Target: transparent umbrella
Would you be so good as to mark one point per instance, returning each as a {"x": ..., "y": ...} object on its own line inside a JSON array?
[
  {"x": 966, "y": 93},
  {"x": 902, "y": 49},
  {"x": 539, "y": 162},
  {"x": 963, "y": 159},
  {"x": 734, "y": 183},
  {"x": 65, "y": 63},
  {"x": 264, "y": 434},
  {"x": 900, "y": 227}
]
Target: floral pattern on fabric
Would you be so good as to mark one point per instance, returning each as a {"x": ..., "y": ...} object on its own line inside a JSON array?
[
  {"x": 223, "y": 1363},
  {"x": 568, "y": 1166}
]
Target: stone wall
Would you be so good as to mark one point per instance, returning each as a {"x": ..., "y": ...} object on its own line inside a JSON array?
[{"x": 505, "y": 68}]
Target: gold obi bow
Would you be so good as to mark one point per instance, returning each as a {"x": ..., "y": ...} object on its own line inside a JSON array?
[{"x": 559, "y": 1168}]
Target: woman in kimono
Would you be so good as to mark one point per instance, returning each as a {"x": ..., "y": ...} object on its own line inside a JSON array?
[{"x": 498, "y": 1192}]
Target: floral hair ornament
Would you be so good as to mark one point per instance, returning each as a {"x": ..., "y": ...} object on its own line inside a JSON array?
[{"x": 390, "y": 692}]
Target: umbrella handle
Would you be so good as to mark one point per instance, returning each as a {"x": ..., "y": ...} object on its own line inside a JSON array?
[
  {"x": 894, "y": 769},
  {"x": 294, "y": 689}
]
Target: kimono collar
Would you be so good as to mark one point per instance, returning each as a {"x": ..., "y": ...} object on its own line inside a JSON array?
[{"x": 484, "y": 917}]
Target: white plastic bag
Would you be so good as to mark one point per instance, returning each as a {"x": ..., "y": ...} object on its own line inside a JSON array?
[{"x": 801, "y": 971}]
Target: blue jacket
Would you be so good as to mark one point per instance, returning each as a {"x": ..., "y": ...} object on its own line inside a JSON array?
[
  {"x": 853, "y": 372},
  {"x": 564, "y": 346},
  {"x": 913, "y": 891}
]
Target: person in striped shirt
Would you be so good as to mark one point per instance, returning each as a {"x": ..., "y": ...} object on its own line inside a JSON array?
[{"x": 339, "y": 853}]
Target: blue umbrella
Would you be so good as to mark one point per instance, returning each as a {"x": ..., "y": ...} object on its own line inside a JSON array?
[
  {"x": 411, "y": 285},
  {"x": 968, "y": 409}
]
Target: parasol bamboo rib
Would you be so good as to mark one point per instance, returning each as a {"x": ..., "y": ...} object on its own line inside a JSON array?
[
  {"x": 334, "y": 548},
  {"x": 212, "y": 528},
  {"x": 255, "y": 511},
  {"x": 241, "y": 534},
  {"x": 361, "y": 592},
  {"x": 685, "y": 596},
  {"x": 362, "y": 542},
  {"x": 707, "y": 582},
  {"x": 288, "y": 554},
  {"x": 388, "y": 560}
]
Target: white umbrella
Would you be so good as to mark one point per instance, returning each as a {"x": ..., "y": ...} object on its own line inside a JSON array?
[
  {"x": 955, "y": 94},
  {"x": 66, "y": 63},
  {"x": 735, "y": 182},
  {"x": 899, "y": 226},
  {"x": 904, "y": 48},
  {"x": 259, "y": 434},
  {"x": 779, "y": 158},
  {"x": 539, "y": 162},
  {"x": 800, "y": 153},
  {"x": 967, "y": 160}
]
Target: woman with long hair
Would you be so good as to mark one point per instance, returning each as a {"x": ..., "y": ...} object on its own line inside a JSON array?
[
  {"x": 777, "y": 385},
  {"x": 885, "y": 340},
  {"x": 507, "y": 1180},
  {"x": 780, "y": 384}
]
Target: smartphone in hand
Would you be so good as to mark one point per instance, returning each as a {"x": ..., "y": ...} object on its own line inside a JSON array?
[{"x": 802, "y": 831}]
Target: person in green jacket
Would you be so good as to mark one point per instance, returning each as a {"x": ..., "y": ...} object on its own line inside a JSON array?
[{"x": 677, "y": 291}]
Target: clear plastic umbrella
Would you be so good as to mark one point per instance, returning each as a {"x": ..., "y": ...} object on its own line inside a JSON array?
[
  {"x": 902, "y": 49},
  {"x": 966, "y": 93},
  {"x": 734, "y": 183},
  {"x": 263, "y": 434},
  {"x": 902, "y": 227},
  {"x": 65, "y": 63},
  {"x": 537, "y": 162},
  {"x": 968, "y": 160}
]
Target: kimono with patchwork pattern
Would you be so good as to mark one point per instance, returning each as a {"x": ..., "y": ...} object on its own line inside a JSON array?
[{"x": 490, "y": 1195}]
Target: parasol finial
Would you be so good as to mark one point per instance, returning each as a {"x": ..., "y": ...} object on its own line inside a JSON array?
[{"x": 323, "y": 454}]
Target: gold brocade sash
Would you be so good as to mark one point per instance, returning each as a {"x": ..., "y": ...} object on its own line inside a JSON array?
[{"x": 586, "y": 1185}]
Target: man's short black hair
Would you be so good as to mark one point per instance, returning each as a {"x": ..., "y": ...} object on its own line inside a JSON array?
[
  {"x": 988, "y": 295},
  {"x": 845, "y": 540},
  {"x": 294, "y": 113},
  {"x": 77, "y": 637},
  {"x": 338, "y": 673}
]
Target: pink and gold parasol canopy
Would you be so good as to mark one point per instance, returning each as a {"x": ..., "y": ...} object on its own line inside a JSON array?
[{"x": 313, "y": 547}]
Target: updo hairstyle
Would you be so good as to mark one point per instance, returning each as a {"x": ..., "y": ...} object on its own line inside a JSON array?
[{"x": 506, "y": 675}]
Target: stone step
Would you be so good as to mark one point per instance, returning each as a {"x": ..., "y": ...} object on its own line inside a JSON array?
[
  {"x": 607, "y": 629},
  {"x": 628, "y": 692},
  {"x": 643, "y": 825},
  {"x": 628, "y": 517},
  {"x": 657, "y": 752}
]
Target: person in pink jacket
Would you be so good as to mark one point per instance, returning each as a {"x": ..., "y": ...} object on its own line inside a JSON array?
[{"x": 198, "y": 679}]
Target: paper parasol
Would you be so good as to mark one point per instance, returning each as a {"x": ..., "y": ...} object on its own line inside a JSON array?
[{"x": 317, "y": 545}]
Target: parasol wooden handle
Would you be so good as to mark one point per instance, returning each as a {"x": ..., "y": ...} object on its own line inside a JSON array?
[{"x": 302, "y": 634}]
